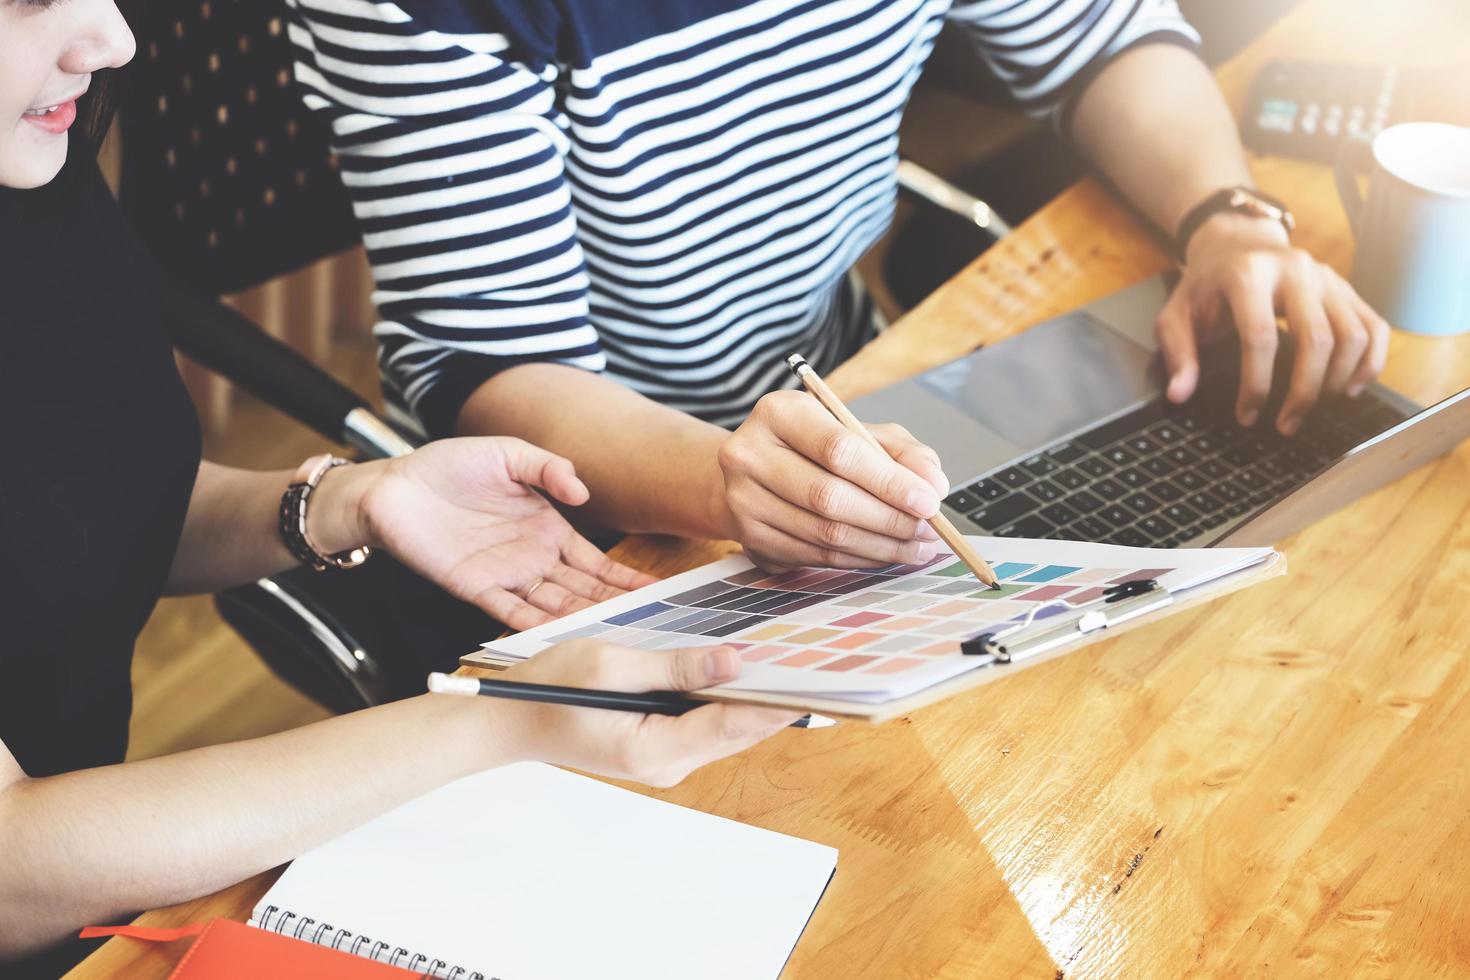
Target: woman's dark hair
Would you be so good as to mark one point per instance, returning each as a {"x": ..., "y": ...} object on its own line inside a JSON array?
[{"x": 94, "y": 113}]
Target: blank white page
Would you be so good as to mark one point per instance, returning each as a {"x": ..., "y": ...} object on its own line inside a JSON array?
[{"x": 529, "y": 872}]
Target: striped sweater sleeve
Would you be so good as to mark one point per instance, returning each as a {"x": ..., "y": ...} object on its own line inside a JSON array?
[
  {"x": 452, "y": 154},
  {"x": 1046, "y": 51}
]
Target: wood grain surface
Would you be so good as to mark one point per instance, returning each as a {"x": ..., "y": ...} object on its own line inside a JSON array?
[{"x": 1272, "y": 785}]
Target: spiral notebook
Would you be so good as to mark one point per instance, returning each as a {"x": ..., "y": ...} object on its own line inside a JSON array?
[{"x": 531, "y": 873}]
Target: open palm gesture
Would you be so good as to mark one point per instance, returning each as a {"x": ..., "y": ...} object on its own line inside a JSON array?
[{"x": 464, "y": 513}]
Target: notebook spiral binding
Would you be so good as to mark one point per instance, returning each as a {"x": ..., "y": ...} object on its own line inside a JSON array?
[{"x": 326, "y": 934}]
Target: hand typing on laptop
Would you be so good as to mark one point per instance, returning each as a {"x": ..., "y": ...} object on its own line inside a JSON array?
[
  {"x": 802, "y": 490},
  {"x": 1243, "y": 271},
  {"x": 1154, "y": 123}
]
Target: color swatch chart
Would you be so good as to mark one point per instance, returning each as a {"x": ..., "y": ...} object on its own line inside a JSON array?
[{"x": 869, "y": 635}]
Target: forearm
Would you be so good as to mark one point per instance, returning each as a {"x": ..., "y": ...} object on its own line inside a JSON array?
[
  {"x": 650, "y": 469},
  {"x": 231, "y": 534},
  {"x": 90, "y": 846},
  {"x": 1155, "y": 123}
]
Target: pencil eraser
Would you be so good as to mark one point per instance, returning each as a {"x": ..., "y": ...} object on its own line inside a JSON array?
[{"x": 449, "y": 684}]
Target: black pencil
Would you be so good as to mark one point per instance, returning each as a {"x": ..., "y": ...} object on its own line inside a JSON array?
[{"x": 647, "y": 703}]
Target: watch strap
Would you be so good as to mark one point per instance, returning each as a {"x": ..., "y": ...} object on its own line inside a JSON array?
[{"x": 1241, "y": 200}]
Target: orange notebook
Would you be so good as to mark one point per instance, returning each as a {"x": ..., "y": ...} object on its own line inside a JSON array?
[{"x": 229, "y": 950}]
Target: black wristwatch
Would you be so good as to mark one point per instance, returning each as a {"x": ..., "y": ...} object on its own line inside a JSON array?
[{"x": 1242, "y": 200}]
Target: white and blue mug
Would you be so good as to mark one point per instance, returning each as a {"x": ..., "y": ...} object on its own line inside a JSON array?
[{"x": 1413, "y": 229}]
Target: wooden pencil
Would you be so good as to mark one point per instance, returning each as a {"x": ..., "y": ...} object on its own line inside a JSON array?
[{"x": 942, "y": 525}]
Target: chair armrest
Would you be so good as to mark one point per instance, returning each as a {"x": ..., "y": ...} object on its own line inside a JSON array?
[
  {"x": 937, "y": 191},
  {"x": 231, "y": 344}
]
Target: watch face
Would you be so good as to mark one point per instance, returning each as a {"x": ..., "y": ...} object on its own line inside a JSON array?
[{"x": 1258, "y": 207}]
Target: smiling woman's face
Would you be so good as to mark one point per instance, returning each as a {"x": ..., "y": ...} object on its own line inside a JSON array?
[{"x": 48, "y": 52}]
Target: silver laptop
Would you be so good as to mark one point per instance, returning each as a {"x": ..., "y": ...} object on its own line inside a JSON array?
[{"x": 1063, "y": 432}]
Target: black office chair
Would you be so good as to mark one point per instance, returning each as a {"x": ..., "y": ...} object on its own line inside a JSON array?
[{"x": 230, "y": 181}]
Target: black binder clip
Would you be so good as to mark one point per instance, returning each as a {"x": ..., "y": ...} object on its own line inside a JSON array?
[
  {"x": 1028, "y": 638},
  {"x": 1127, "y": 590}
]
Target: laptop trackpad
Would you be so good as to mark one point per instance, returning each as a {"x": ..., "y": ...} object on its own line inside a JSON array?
[{"x": 1016, "y": 396}]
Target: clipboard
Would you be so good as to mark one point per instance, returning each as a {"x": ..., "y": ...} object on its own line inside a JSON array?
[{"x": 1147, "y": 609}]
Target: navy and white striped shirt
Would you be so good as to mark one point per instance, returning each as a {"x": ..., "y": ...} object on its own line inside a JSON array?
[{"x": 671, "y": 191}]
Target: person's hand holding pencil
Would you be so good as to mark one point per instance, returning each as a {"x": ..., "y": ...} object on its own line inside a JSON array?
[
  {"x": 940, "y": 524},
  {"x": 801, "y": 489},
  {"x": 654, "y": 749}
]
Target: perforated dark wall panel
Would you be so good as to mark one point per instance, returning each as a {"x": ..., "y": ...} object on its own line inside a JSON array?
[{"x": 225, "y": 173}]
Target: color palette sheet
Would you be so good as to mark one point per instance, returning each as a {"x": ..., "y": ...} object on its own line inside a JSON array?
[{"x": 868, "y": 636}]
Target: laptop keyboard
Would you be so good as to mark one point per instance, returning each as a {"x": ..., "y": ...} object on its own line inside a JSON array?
[{"x": 1164, "y": 475}]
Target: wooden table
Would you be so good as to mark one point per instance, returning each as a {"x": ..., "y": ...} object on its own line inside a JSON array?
[{"x": 1273, "y": 785}]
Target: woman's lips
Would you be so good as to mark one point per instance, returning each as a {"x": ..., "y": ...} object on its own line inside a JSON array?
[{"x": 57, "y": 119}]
